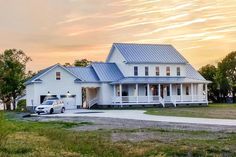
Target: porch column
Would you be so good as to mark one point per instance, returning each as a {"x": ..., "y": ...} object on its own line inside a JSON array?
[
  {"x": 136, "y": 93},
  {"x": 192, "y": 91},
  {"x": 170, "y": 90},
  {"x": 181, "y": 92},
  {"x": 114, "y": 90},
  {"x": 148, "y": 92},
  {"x": 206, "y": 91},
  {"x": 120, "y": 93},
  {"x": 114, "y": 93},
  {"x": 159, "y": 90}
]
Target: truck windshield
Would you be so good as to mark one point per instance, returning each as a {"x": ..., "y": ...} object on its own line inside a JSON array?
[{"x": 47, "y": 103}]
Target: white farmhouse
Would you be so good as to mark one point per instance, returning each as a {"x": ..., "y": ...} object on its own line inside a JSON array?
[{"x": 133, "y": 75}]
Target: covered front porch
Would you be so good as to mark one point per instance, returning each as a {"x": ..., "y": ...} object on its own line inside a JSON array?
[{"x": 151, "y": 93}]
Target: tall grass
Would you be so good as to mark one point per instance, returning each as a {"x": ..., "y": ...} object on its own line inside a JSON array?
[{"x": 4, "y": 130}]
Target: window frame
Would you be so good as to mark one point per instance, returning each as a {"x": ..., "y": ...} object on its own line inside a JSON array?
[
  {"x": 157, "y": 70},
  {"x": 135, "y": 72},
  {"x": 168, "y": 71},
  {"x": 178, "y": 71},
  {"x": 146, "y": 70},
  {"x": 58, "y": 75}
]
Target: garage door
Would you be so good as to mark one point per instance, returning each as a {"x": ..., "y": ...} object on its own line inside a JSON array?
[{"x": 69, "y": 102}]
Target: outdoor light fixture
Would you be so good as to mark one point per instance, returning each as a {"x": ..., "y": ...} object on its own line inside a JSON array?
[
  {"x": 48, "y": 93},
  {"x": 68, "y": 94}
]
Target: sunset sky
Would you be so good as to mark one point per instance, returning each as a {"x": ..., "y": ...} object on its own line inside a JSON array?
[{"x": 52, "y": 31}]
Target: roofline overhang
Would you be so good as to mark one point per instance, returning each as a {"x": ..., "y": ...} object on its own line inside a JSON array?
[{"x": 152, "y": 63}]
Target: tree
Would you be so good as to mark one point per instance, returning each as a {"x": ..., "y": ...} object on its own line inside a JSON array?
[
  {"x": 67, "y": 65},
  {"x": 82, "y": 62},
  {"x": 228, "y": 68},
  {"x": 12, "y": 75},
  {"x": 209, "y": 73}
]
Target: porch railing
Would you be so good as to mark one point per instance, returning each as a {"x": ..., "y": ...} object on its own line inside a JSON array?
[{"x": 156, "y": 99}]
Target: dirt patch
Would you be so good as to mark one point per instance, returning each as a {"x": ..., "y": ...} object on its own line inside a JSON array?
[
  {"x": 114, "y": 123},
  {"x": 164, "y": 137}
]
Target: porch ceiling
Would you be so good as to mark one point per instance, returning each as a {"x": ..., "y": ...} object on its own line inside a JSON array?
[{"x": 157, "y": 80}]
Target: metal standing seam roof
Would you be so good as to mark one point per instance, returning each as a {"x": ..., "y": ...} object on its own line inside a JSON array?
[
  {"x": 150, "y": 53},
  {"x": 107, "y": 72},
  {"x": 163, "y": 80},
  {"x": 193, "y": 73},
  {"x": 84, "y": 73}
]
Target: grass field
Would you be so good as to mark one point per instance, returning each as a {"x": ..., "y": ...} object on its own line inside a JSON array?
[
  {"x": 225, "y": 111},
  {"x": 42, "y": 139}
]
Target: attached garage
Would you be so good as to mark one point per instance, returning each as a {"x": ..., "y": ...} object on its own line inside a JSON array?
[{"x": 69, "y": 101}]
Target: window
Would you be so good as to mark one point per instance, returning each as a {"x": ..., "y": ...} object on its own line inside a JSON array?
[
  {"x": 135, "y": 71},
  {"x": 157, "y": 71},
  {"x": 187, "y": 90},
  {"x": 58, "y": 75},
  {"x": 178, "y": 71},
  {"x": 167, "y": 71},
  {"x": 168, "y": 91},
  {"x": 146, "y": 71},
  {"x": 178, "y": 91}
]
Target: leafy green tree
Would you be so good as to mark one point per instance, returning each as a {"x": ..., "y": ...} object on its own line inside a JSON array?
[
  {"x": 222, "y": 84},
  {"x": 12, "y": 75},
  {"x": 82, "y": 62},
  {"x": 228, "y": 68},
  {"x": 209, "y": 72}
]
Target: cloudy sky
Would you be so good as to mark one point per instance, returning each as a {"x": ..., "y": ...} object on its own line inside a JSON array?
[{"x": 52, "y": 31}]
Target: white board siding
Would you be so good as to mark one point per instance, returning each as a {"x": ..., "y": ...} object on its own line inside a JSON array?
[
  {"x": 55, "y": 87},
  {"x": 105, "y": 94},
  {"x": 128, "y": 69}
]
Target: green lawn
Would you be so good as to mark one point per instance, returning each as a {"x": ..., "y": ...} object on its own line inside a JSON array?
[
  {"x": 42, "y": 139},
  {"x": 225, "y": 111}
]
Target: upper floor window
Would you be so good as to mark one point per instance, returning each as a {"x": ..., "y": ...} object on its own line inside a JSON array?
[
  {"x": 167, "y": 71},
  {"x": 157, "y": 71},
  {"x": 178, "y": 71},
  {"x": 58, "y": 75},
  {"x": 146, "y": 71},
  {"x": 135, "y": 71}
]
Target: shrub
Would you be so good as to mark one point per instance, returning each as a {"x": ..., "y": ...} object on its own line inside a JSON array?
[{"x": 21, "y": 105}]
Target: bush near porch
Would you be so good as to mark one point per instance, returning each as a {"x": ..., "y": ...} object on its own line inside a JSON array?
[{"x": 224, "y": 111}]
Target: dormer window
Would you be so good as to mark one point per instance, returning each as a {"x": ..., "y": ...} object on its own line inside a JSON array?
[
  {"x": 157, "y": 71},
  {"x": 178, "y": 71},
  {"x": 135, "y": 71},
  {"x": 146, "y": 71},
  {"x": 167, "y": 71},
  {"x": 58, "y": 76}
]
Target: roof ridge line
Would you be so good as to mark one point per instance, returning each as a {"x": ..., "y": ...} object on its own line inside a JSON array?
[{"x": 145, "y": 44}]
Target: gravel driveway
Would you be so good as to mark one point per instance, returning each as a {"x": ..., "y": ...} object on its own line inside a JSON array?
[
  {"x": 140, "y": 116},
  {"x": 101, "y": 123}
]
